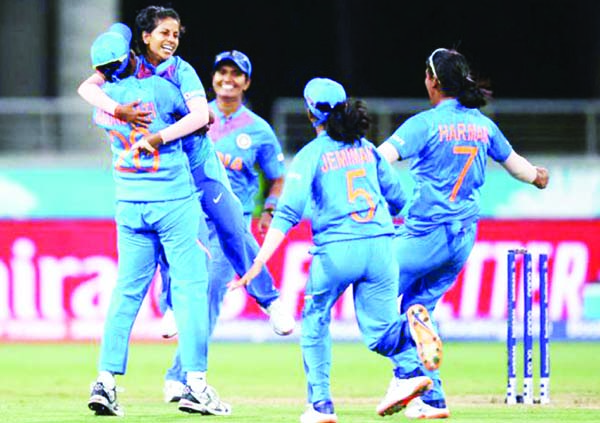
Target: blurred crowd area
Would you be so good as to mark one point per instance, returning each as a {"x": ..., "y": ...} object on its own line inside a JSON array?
[{"x": 51, "y": 154}]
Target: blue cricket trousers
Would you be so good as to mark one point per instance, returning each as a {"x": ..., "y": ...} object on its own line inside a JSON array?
[
  {"x": 370, "y": 267},
  {"x": 230, "y": 227},
  {"x": 429, "y": 264},
  {"x": 144, "y": 230}
]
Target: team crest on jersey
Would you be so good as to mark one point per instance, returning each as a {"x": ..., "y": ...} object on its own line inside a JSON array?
[{"x": 243, "y": 141}]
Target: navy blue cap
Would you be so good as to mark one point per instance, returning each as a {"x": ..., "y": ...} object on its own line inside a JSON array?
[{"x": 237, "y": 57}]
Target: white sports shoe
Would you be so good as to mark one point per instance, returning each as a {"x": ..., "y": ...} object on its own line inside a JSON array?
[
  {"x": 313, "y": 416},
  {"x": 103, "y": 401},
  {"x": 168, "y": 327},
  {"x": 206, "y": 402},
  {"x": 173, "y": 390},
  {"x": 282, "y": 320},
  {"x": 429, "y": 344},
  {"x": 417, "y": 409},
  {"x": 400, "y": 392}
]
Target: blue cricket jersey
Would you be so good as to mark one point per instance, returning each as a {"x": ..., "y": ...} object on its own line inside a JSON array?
[
  {"x": 184, "y": 77},
  {"x": 165, "y": 175},
  {"x": 449, "y": 145},
  {"x": 347, "y": 184},
  {"x": 243, "y": 141},
  {"x": 177, "y": 71}
]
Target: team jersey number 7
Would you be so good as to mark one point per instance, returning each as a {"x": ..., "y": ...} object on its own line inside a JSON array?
[
  {"x": 471, "y": 151},
  {"x": 135, "y": 135},
  {"x": 355, "y": 193}
]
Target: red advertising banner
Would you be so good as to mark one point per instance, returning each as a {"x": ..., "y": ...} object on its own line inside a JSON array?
[{"x": 56, "y": 277}]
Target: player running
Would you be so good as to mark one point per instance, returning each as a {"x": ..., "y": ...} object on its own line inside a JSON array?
[
  {"x": 449, "y": 145},
  {"x": 347, "y": 183}
]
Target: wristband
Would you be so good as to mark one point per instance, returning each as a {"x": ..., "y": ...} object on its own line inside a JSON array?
[{"x": 270, "y": 211}]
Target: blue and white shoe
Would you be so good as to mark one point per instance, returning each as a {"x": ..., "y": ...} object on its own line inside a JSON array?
[
  {"x": 319, "y": 412},
  {"x": 103, "y": 401},
  {"x": 206, "y": 402}
]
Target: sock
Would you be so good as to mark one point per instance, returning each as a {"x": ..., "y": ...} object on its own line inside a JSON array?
[
  {"x": 196, "y": 381},
  {"x": 107, "y": 379}
]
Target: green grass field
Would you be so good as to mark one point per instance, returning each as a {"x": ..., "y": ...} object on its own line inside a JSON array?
[{"x": 265, "y": 383}]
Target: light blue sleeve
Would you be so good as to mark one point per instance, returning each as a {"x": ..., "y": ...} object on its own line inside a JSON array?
[
  {"x": 169, "y": 100},
  {"x": 189, "y": 81},
  {"x": 500, "y": 147},
  {"x": 297, "y": 190},
  {"x": 410, "y": 138}
]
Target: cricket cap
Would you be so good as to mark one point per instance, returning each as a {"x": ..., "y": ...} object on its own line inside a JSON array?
[
  {"x": 323, "y": 91},
  {"x": 112, "y": 46},
  {"x": 237, "y": 57}
]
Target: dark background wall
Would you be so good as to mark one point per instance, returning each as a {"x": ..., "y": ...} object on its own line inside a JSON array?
[{"x": 377, "y": 48}]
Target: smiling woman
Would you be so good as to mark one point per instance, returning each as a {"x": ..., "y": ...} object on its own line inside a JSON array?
[
  {"x": 244, "y": 141},
  {"x": 157, "y": 31},
  {"x": 160, "y": 38}
]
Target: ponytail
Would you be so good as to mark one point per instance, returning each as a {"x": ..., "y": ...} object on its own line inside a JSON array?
[
  {"x": 348, "y": 122},
  {"x": 452, "y": 71},
  {"x": 471, "y": 95}
]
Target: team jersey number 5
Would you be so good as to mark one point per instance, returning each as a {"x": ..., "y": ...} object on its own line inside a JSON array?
[
  {"x": 471, "y": 152},
  {"x": 354, "y": 193},
  {"x": 135, "y": 135}
]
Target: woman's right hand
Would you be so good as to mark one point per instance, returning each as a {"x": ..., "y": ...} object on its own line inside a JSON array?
[
  {"x": 211, "y": 119},
  {"x": 131, "y": 114},
  {"x": 541, "y": 178},
  {"x": 148, "y": 143},
  {"x": 252, "y": 273}
]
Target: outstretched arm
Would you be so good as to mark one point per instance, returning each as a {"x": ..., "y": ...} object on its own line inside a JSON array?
[
  {"x": 273, "y": 240},
  {"x": 389, "y": 152},
  {"x": 520, "y": 168}
]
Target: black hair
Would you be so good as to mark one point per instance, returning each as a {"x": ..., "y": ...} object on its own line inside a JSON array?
[
  {"x": 347, "y": 121},
  {"x": 109, "y": 70},
  {"x": 210, "y": 91},
  {"x": 454, "y": 76},
  {"x": 148, "y": 19}
]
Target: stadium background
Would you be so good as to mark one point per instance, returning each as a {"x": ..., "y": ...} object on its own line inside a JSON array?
[{"x": 57, "y": 254}]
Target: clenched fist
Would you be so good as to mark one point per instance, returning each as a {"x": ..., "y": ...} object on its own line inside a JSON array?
[{"x": 541, "y": 178}]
